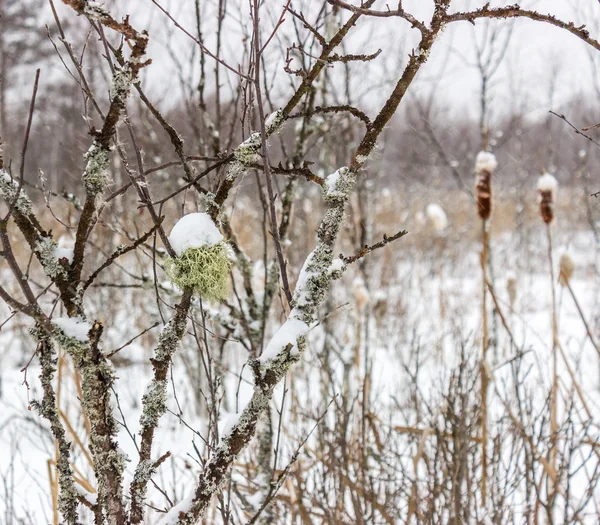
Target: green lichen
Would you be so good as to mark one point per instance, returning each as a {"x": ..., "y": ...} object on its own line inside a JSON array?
[
  {"x": 68, "y": 495},
  {"x": 8, "y": 191},
  {"x": 338, "y": 185},
  {"x": 121, "y": 84},
  {"x": 247, "y": 152},
  {"x": 96, "y": 175},
  {"x": 155, "y": 403},
  {"x": 204, "y": 270},
  {"x": 46, "y": 250}
]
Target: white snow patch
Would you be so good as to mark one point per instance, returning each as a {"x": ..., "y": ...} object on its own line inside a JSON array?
[
  {"x": 229, "y": 421},
  {"x": 172, "y": 517},
  {"x": 288, "y": 333},
  {"x": 91, "y": 497},
  {"x": 485, "y": 161},
  {"x": 332, "y": 180},
  {"x": 301, "y": 284},
  {"x": 547, "y": 182},
  {"x": 65, "y": 250},
  {"x": 331, "y": 183},
  {"x": 337, "y": 265},
  {"x": 272, "y": 119},
  {"x": 74, "y": 327},
  {"x": 437, "y": 217},
  {"x": 194, "y": 230}
]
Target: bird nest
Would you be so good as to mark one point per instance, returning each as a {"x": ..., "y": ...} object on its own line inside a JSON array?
[{"x": 204, "y": 270}]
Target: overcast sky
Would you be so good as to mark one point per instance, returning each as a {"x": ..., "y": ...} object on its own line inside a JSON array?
[{"x": 539, "y": 57}]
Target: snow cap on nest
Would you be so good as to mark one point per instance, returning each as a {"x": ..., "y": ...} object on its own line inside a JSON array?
[{"x": 194, "y": 230}]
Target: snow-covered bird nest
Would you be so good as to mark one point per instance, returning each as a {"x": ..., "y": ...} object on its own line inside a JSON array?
[{"x": 202, "y": 263}]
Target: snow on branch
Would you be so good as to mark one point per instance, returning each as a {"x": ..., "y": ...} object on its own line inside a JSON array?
[{"x": 284, "y": 348}]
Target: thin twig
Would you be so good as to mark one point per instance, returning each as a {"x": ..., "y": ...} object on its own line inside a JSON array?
[{"x": 368, "y": 249}]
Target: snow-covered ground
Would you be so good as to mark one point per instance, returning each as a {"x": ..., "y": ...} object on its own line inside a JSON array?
[{"x": 423, "y": 305}]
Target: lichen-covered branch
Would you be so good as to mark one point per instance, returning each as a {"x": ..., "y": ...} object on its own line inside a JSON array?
[
  {"x": 68, "y": 497},
  {"x": 154, "y": 404},
  {"x": 95, "y": 175},
  {"x": 40, "y": 242},
  {"x": 97, "y": 380}
]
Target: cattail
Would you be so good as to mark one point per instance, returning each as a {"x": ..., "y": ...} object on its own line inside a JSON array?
[
  {"x": 436, "y": 217},
  {"x": 566, "y": 269},
  {"x": 547, "y": 187},
  {"x": 511, "y": 288},
  {"x": 485, "y": 164}
]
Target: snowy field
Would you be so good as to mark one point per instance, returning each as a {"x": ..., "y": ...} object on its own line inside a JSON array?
[{"x": 384, "y": 359}]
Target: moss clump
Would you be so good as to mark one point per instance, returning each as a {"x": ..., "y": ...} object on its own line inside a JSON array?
[{"x": 204, "y": 270}]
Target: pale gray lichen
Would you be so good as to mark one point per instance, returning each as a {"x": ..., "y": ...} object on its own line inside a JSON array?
[
  {"x": 338, "y": 185},
  {"x": 94, "y": 10},
  {"x": 316, "y": 274},
  {"x": 121, "y": 83},
  {"x": 97, "y": 379},
  {"x": 143, "y": 472},
  {"x": 274, "y": 122},
  {"x": 247, "y": 152},
  {"x": 46, "y": 250},
  {"x": 154, "y": 402},
  {"x": 8, "y": 191},
  {"x": 68, "y": 500},
  {"x": 95, "y": 176},
  {"x": 169, "y": 338}
]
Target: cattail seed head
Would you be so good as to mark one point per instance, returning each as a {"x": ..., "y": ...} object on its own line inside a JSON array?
[
  {"x": 547, "y": 187},
  {"x": 485, "y": 164},
  {"x": 566, "y": 269}
]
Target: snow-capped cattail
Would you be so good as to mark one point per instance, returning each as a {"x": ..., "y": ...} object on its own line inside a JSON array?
[
  {"x": 437, "y": 218},
  {"x": 567, "y": 267},
  {"x": 547, "y": 187},
  {"x": 485, "y": 164},
  {"x": 511, "y": 288}
]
